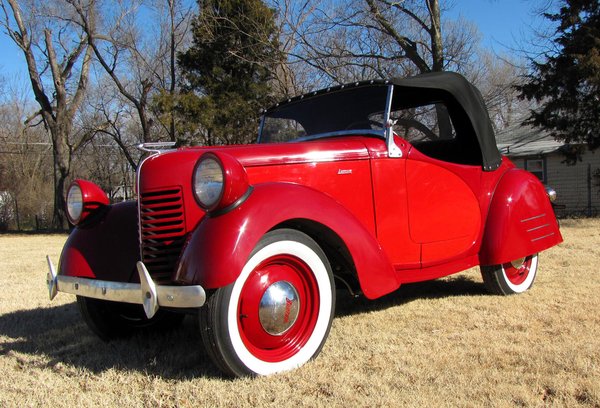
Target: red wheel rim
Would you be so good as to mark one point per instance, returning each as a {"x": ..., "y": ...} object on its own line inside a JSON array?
[
  {"x": 518, "y": 270},
  {"x": 275, "y": 348}
]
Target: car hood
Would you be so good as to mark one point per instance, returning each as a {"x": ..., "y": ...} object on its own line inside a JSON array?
[{"x": 175, "y": 166}]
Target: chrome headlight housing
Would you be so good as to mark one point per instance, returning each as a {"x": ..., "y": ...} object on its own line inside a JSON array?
[
  {"x": 74, "y": 203},
  {"x": 83, "y": 199},
  {"x": 208, "y": 182},
  {"x": 220, "y": 182}
]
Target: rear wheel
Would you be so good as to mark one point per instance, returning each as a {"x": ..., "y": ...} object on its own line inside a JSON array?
[
  {"x": 512, "y": 277},
  {"x": 277, "y": 314},
  {"x": 110, "y": 320}
]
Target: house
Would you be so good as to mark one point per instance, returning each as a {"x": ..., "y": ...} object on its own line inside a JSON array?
[{"x": 577, "y": 185}]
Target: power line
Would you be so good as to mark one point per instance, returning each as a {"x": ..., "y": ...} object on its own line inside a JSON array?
[
  {"x": 50, "y": 144},
  {"x": 49, "y": 153}
]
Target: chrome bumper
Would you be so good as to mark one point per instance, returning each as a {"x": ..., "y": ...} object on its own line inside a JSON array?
[{"x": 146, "y": 293}]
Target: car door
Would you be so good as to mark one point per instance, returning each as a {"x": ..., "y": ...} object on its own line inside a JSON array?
[
  {"x": 444, "y": 216},
  {"x": 443, "y": 176}
]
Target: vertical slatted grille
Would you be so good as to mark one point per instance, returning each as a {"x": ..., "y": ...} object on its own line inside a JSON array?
[{"x": 163, "y": 231}]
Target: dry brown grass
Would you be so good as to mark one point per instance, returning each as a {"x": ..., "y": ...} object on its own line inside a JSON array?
[{"x": 441, "y": 343}]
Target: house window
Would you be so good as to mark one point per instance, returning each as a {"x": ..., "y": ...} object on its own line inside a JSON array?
[{"x": 537, "y": 167}]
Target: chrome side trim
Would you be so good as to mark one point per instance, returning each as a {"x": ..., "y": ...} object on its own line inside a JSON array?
[
  {"x": 542, "y": 237},
  {"x": 533, "y": 218},
  {"x": 537, "y": 228},
  {"x": 148, "y": 294}
]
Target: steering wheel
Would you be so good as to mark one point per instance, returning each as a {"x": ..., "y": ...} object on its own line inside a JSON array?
[{"x": 416, "y": 125}]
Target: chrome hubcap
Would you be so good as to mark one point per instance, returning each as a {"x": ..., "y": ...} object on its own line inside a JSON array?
[
  {"x": 518, "y": 263},
  {"x": 279, "y": 308}
]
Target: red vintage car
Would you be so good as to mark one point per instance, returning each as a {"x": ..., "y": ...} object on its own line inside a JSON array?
[{"x": 364, "y": 187}]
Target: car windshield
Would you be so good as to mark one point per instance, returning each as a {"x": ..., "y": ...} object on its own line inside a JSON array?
[{"x": 352, "y": 110}]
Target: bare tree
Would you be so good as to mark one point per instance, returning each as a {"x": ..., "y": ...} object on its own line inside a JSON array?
[
  {"x": 426, "y": 15},
  {"x": 140, "y": 61},
  {"x": 26, "y": 164},
  {"x": 331, "y": 42},
  {"x": 343, "y": 42},
  {"x": 58, "y": 61},
  {"x": 496, "y": 77}
]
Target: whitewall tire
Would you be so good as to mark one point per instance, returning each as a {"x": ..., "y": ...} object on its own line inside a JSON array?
[
  {"x": 512, "y": 277},
  {"x": 277, "y": 314}
]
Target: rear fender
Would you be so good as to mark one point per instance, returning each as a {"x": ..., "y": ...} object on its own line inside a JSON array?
[
  {"x": 106, "y": 247},
  {"x": 520, "y": 222},
  {"x": 220, "y": 246}
]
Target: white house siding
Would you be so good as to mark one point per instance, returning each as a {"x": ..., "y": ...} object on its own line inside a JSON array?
[{"x": 571, "y": 182}]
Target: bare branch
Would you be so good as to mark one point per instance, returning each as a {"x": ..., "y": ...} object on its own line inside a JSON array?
[
  {"x": 23, "y": 41},
  {"x": 409, "y": 46}
]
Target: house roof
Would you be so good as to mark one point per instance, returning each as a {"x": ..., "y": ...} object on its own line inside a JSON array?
[{"x": 519, "y": 141}]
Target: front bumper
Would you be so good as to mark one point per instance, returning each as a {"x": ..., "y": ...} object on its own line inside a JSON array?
[{"x": 145, "y": 293}]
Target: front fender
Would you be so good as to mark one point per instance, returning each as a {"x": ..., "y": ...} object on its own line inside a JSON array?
[
  {"x": 106, "y": 248},
  {"x": 220, "y": 246},
  {"x": 520, "y": 222}
]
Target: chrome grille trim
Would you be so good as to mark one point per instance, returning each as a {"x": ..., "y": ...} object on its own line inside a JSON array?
[{"x": 162, "y": 230}]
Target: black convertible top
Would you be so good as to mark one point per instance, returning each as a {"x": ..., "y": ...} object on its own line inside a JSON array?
[
  {"x": 463, "y": 100},
  {"x": 467, "y": 96}
]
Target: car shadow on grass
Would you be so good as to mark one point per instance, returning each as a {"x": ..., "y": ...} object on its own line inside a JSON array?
[
  {"x": 455, "y": 286},
  {"x": 56, "y": 338}
]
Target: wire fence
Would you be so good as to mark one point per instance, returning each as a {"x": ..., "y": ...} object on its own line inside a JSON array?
[{"x": 578, "y": 190}]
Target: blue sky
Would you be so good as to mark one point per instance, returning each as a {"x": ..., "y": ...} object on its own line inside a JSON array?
[
  {"x": 505, "y": 25},
  {"x": 11, "y": 60}
]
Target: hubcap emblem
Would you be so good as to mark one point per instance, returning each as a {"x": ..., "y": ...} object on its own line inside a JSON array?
[{"x": 279, "y": 308}]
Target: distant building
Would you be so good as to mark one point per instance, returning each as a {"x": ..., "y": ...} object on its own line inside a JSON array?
[{"x": 535, "y": 150}]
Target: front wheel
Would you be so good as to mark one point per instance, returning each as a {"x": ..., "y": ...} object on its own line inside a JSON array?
[
  {"x": 111, "y": 320},
  {"x": 277, "y": 314},
  {"x": 512, "y": 277}
]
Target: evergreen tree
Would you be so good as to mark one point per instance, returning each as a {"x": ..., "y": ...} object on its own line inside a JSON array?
[
  {"x": 567, "y": 84},
  {"x": 227, "y": 70}
]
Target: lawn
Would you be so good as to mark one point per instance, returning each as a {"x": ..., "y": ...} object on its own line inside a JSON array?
[{"x": 440, "y": 343}]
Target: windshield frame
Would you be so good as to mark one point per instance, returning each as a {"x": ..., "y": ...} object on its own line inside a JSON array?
[{"x": 376, "y": 87}]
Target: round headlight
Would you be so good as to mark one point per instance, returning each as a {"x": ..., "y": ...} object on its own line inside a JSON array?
[
  {"x": 208, "y": 182},
  {"x": 74, "y": 203},
  {"x": 83, "y": 199}
]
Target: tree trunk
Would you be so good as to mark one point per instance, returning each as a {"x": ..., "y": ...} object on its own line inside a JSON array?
[
  {"x": 435, "y": 33},
  {"x": 172, "y": 69},
  {"x": 58, "y": 106},
  {"x": 62, "y": 168},
  {"x": 58, "y": 218},
  {"x": 17, "y": 216}
]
